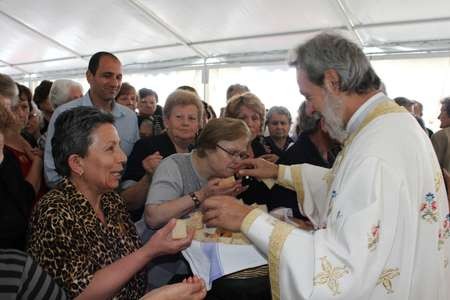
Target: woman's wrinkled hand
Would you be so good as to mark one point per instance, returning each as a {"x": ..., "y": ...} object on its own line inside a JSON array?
[
  {"x": 151, "y": 162},
  {"x": 213, "y": 188},
  {"x": 162, "y": 243},
  {"x": 192, "y": 288}
]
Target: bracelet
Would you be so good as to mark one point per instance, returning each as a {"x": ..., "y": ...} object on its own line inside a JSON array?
[{"x": 195, "y": 199}]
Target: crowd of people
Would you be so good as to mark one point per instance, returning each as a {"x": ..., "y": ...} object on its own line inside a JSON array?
[{"x": 90, "y": 185}]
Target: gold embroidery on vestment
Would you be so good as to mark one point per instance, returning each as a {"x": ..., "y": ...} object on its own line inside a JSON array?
[
  {"x": 386, "y": 279},
  {"x": 330, "y": 276}
]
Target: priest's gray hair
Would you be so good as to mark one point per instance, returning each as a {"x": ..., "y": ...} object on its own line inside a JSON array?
[
  {"x": 331, "y": 51},
  {"x": 60, "y": 91}
]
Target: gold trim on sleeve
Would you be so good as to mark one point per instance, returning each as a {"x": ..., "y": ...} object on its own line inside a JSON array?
[
  {"x": 296, "y": 173},
  {"x": 249, "y": 219},
  {"x": 281, "y": 180},
  {"x": 277, "y": 239}
]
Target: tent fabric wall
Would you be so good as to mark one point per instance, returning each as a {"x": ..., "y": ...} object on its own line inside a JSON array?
[{"x": 50, "y": 38}]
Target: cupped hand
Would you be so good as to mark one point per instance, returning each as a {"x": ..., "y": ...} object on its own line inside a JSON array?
[
  {"x": 225, "y": 212},
  {"x": 213, "y": 188},
  {"x": 162, "y": 243}
]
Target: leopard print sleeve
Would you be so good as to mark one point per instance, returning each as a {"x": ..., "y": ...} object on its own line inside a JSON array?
[{"x": 57, "y": 243}]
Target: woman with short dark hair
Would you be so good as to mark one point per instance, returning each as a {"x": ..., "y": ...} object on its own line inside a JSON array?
[{"x": 81, "y": 233}]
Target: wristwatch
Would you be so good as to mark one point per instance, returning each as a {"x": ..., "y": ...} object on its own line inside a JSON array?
[{"x": 195, "y": 199}]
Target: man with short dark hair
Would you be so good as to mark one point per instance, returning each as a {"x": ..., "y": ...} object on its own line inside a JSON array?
[
  {"x": 380, "y": 215},
  {"x": 104, "y": 75},
  {"x": 441, "y": 139}
]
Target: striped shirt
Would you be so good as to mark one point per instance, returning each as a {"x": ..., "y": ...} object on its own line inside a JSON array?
[{"x": 22, "y": 278}]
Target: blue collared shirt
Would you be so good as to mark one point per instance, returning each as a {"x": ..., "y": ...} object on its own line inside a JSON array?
[{"x": 125, "y": 123}]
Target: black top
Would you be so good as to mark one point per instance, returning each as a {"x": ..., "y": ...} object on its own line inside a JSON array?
[
  {"x": 258, "y": 146},
  {"x": 303, "y": 151},
  {"x": 45, "y": 127},
  {"x": 29, "y": 138},
  {"x": 16, "y": 198},
  {"x": 158, "y": 111},
  {"x": 273, "y": 146},
  {"x": 143, "y": 148}
]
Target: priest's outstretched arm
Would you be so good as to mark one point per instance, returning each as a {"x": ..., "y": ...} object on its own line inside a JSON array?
[{"x": 351, "y": 256}]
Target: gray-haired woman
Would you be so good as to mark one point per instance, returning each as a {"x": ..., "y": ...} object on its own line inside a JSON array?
[{"x": 81, "y": 233}]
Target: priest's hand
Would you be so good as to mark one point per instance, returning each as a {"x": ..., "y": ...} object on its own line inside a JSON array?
[
  {"x": 224, "y": 212},
  {"x": 259, "y": 168}
]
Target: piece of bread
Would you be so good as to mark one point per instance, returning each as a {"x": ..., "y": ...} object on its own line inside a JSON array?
[
  {"x": 195, "y": 220},
  {"x": 180, "y": 230},
  {"x": 227, "y": 182}
]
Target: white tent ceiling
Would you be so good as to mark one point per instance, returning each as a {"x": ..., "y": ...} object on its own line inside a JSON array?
[{"x": 57, "y": 37}]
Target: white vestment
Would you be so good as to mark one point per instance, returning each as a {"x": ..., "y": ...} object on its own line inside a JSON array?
[{"x": 381, "y": 217}]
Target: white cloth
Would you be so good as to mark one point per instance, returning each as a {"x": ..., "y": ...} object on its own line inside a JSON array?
[
  {"x": 384, "y": 219},
  {"x": 214, "y": 260}
]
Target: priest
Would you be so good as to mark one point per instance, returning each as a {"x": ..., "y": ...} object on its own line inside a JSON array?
[{"x": 380, "y": 215}]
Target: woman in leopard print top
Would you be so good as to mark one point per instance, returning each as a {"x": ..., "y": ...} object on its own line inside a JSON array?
[{"x": 81, "y": 233}]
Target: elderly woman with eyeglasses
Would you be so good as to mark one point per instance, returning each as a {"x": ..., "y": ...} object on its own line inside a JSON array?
[{"x": 183, "y": 180}]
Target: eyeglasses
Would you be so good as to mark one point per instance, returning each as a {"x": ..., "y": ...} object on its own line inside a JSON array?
[{"x": 234, "y": 154}]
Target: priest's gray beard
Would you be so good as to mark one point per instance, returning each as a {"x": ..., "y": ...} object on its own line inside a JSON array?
[{"x": 333, "y": 117}]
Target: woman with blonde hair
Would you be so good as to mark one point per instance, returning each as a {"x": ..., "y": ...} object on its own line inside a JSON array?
[{"x": 249, "y": 108}]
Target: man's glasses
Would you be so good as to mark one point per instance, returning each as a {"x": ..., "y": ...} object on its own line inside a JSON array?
[{"x": 234, "y": 154}]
